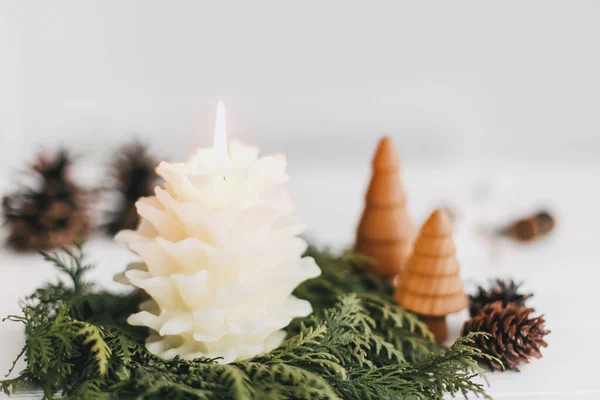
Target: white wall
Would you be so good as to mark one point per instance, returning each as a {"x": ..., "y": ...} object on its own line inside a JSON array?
[{"x": 453, "y": 81}]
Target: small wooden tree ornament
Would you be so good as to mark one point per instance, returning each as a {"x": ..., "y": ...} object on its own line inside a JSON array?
[
  {"x": 429, "y": 283},
  {"x": 385, "y": 231}
]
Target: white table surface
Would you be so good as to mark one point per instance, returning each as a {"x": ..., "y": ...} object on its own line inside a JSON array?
[{"x": 562, "y": 270}]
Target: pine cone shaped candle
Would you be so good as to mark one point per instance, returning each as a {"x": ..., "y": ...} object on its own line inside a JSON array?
[
  {"x": 221, "y": 256},
  {"x": 53, "y": 215},
  {"x": 505, "y": 291},
  {"x": 133, "y": 172},
  {"x": 514, "y": 336}
]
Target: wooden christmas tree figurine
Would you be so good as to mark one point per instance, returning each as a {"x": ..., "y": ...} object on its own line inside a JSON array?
[
  {"x": 429, "y": 283},
  {"x": 385, "y": 231}
]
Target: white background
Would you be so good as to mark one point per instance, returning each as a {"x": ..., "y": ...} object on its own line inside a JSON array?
[
  {"x": 452, "y": 81},
  {"x": 499, "y": 95}
]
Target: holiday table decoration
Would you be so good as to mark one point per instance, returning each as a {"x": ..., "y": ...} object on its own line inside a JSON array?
[
  {"x": 500, "y": 290},
  {"x": 385, "y": 231},
  {"x": 228, "y": 302},
  {"x": 221, "y": 255},
  {"x": 52, "y": 214},
  {"x": 132, "y": 170},
  {"x": 513, "y": 337},
  {"x": 357, "y": 345},
  {"x": 429, "y": 283}
]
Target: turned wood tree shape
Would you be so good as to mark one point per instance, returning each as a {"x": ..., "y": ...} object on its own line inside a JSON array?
[
  {"x": 385, "y": 230},
  {"x": 429, "y": 283}
]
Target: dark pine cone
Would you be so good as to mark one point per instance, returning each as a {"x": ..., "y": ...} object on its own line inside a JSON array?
[
  {"x": 53, "y": 215},
  {"x": 505, "y": 291},
  {"x": 133, "y": 172},
  {"x": 514, "y": 337}
]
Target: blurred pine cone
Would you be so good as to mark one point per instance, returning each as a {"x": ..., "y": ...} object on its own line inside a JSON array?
[
  {"x": 133, "y": 172},
  {"x": 53, "y": 215},
  {"x": 514, "y": 337},
  {"x": 530, "y": 227},
  {"x": 499, "y": 290}
]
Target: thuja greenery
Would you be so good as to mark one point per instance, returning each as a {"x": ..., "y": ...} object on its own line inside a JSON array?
[{"x": 356, "y": 345}]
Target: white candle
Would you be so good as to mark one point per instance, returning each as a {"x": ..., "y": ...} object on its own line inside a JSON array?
[{"x": 221, "y": 254}]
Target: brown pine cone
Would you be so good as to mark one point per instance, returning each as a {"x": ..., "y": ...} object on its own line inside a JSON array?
[
  {"x": 531, "y": 227},
  {"x": 514, "y": 337},
  {"x": 55, "y": 214},
  {"x": 500, "y": 290},
  {"x": 134, "y": 177}
]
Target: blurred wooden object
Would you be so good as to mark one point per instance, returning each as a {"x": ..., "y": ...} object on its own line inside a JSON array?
[{"x": 385, "y": 231}]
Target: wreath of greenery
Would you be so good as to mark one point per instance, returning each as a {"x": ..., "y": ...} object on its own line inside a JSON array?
[{"x": 357, "y": 345}]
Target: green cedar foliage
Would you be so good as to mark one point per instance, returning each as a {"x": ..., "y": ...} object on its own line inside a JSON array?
[{"x": 357, "y": 345}]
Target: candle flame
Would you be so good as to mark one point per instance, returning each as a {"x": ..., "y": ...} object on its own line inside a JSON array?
[{"x": 220, "y": 151}]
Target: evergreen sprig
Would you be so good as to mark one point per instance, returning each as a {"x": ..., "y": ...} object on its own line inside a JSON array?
[{"x": 357, "y": 345}]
